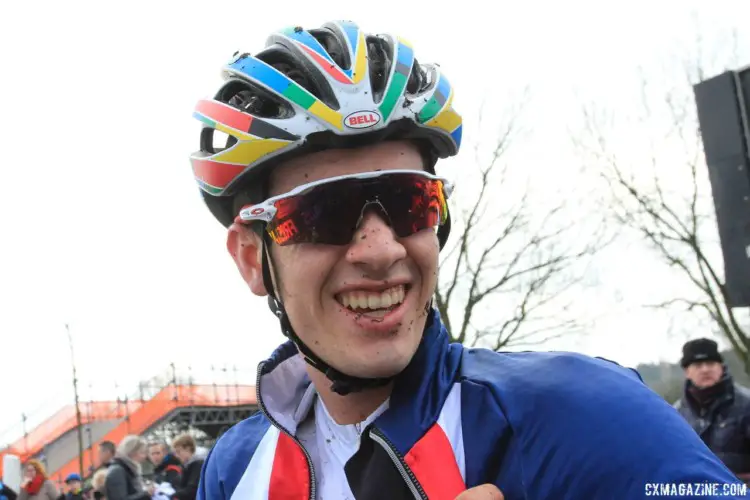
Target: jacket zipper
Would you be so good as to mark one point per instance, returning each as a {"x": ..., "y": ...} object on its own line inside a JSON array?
[
  {"x": 406, "y": 474},
  {"x": 282, "y": 429}
]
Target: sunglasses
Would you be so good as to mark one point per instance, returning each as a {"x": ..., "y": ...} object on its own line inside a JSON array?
[{"x": 329, "y": 211}]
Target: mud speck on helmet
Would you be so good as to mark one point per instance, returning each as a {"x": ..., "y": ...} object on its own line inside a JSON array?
[{"x": 298, "y": 29}]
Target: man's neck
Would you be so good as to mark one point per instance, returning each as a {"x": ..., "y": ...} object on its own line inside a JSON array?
[{"x": 352, "y": 408}]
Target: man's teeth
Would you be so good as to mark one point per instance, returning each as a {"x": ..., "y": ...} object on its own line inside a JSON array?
[{"x": 373, "y": 300}]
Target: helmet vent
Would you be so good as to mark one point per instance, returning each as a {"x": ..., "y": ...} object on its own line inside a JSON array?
[
  {"x": 417, "y": 79},
  {"x": 333, "y": 46},
  {"x": 378, "y": 54},
  {"x": 253, "y": 100}
]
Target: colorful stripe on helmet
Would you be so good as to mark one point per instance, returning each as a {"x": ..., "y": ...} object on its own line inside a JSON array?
[
  {"x": 214, "y": 173},
  {"x": 312, "y": 47},
  {"x": 274, "y": 80},
  {"x": 213, "y": 176},
  {"x": 439, "y": 97},
  {"x": 447, "y": 119},
  {"x": 357, "y": 49},
  {"x": 305, "y": 38},
  {"x": 399, "y": 78},
  {"x": 456, "y": 135},
  {"x": 234, "y": 122},
  {"x": 360, "y": 60}
]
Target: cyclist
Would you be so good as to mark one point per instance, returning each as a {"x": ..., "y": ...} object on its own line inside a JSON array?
[{"x": 327, "y": 187}]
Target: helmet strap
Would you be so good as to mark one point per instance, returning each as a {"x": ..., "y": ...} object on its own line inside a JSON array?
[{"x": 342, "y": 383}]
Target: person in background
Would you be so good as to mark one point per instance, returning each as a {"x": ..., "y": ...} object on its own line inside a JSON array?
[
  {"x": 184, "y": 448},
  {"x": 167, "y": 468},
  {"x": 36, "y": 485},
  {"x": 716, "y": 407},
  {"x": 124, "y": 478},
  {"x": 98, "y": 484},
  {"x": 73, "y": 488},
  {"x": 6, "y": 493},
  {"x": 106, "y": 454}
]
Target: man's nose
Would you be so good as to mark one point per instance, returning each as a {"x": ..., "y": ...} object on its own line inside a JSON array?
[{"x": 375, "y": 247}]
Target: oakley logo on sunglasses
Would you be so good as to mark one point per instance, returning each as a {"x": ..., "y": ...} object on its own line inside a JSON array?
[{"x": 362, "y": 119}]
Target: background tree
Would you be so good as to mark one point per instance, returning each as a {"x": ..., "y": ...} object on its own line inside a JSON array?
[
  {"x": 516, "y": 257},
  {"x": 654, "y": 185}
]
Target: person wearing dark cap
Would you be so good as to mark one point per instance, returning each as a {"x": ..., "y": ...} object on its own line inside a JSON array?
[
  {"x": 73, "y": 488},
  {"x": 716, "y": 407}
]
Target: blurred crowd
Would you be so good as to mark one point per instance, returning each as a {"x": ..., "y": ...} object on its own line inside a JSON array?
[{"x": 173, "y": 473}]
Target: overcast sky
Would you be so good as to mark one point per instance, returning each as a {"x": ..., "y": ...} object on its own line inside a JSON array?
[{"x": 102, "y": 225}]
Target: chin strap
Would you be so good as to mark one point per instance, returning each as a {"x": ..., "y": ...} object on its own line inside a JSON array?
[{"x": 342, "y": 383}]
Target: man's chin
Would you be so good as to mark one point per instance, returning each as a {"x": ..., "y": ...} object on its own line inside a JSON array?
[{"x": 371, "y": 369}]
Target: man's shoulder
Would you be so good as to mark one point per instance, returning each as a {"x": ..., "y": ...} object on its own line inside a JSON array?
[
  {"x": 741, "y": 399},
  {"x": 585, "y": 420},
  {"x": 241, "y": 440},
  {"x": 230, "y": 457},
  {"x": 546, "y": 371},
  {"x": 742, "y": 391}
]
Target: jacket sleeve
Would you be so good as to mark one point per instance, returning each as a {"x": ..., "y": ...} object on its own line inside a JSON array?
[
  {"x": 191, "y": 479},
  {"x": 50, "y": 490},
  {"x": 615, "y": 436},
  {"x": 209, "y": 486},
  {"x": 117, "y": 486},
  {"x": 581, "y": 427}
]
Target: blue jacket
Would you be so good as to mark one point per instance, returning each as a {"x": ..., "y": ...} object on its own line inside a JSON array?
[{"x": 537, "y": 425}]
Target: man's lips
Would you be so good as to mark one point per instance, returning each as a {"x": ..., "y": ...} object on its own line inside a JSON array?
[{"x": 379, "y": 318}]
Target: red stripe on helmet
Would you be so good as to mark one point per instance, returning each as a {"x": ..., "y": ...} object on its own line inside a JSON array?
[
  {"x": 216, "y": 173},
  {"x": 224, "y": 114},
  {"x": 326, "y": 65}
]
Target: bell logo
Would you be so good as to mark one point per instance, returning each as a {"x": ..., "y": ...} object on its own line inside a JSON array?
[{"x": 362, "y": 119}]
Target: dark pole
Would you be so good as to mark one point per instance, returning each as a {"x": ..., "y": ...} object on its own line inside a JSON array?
[
  {"x": 78, "y": 407},
  {"x": 90, "y": 447},
  {"x": 25, "y": 433}
]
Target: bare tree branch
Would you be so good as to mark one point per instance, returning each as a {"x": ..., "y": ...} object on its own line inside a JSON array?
[
  {"x": 672, "y": 222},
  {"x": 505, "y": 280}
]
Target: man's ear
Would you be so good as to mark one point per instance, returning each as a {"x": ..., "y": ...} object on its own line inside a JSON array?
[{"x": 244, "y": 245}]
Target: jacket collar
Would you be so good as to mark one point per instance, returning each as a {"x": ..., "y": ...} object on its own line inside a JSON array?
[
  {"x": 712, "y": 397},
  {"x": 286, "y": 393}
]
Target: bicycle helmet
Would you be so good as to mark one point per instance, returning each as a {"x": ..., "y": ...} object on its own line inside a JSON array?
[{"x": 309, "y": 90}]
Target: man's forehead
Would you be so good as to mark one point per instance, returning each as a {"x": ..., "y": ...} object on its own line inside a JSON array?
[{"x": 335, "y": 162}]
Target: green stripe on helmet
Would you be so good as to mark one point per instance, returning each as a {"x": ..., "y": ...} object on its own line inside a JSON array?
[
  {"x": 299, "y": 96},
  {"x": 395, "y": 91}
]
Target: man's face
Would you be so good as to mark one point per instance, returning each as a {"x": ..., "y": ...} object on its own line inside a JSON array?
[
  {"x": 704, "y": 373},
  {"x": 156, "y": 453},
  {"x": 182, "y": 454},
  {"x": 316, "y": 279},
  {"x": 104, "y": 455}
]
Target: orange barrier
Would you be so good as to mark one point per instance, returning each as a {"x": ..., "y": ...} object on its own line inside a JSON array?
[
  {"x": 64, "y": 421},
  {"x": 162, "y": 404}
]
